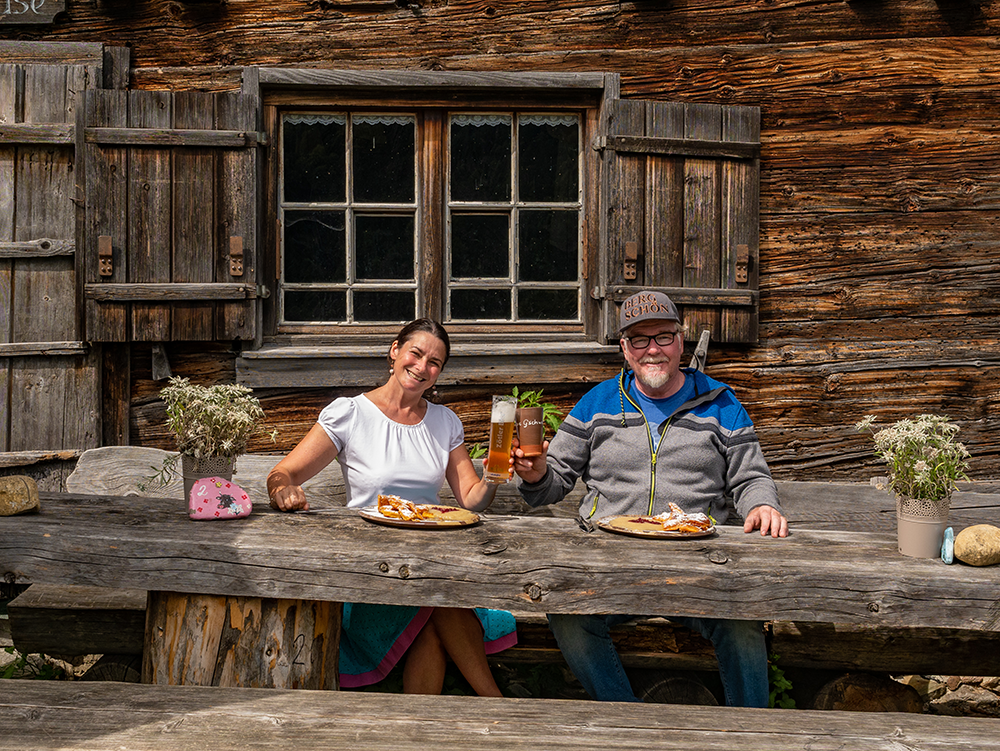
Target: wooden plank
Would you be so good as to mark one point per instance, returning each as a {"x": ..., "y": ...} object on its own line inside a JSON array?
[
  {"x": 39, "y": 248},
  {"x": 623, "y": 192},
  {"x": 687, "y": 147},
  {"x": 545, "y": 565},
  {"x": 10, "y": 96},
  {"x": 193, "y": 178},
  {"x": 43, "y": 348},
  {"x": 663, "y": 256},
  {"x": 740, "y": 197},
  {"x": 11, "y": 459},
  {"x": 236, "y": 215},
  {"x": 149, "y": 204},
  {"x": 170, "y": 291},
  {"x": 702, "y": 214},
  {"x": 49, "y": 715},
  {"x": 182, "y": 136},
  {"x": 106, "y": 213},
  {"x": 37, "y": 133},
  {"x": 50, "y": 52},
  {"x": 431, "y": 80},
  {"x": 115, "y": 620},
  {"x": 313, "y": 370}
]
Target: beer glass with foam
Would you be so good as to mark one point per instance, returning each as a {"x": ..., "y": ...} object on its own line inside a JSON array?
[{"x": 501, "y": 433}]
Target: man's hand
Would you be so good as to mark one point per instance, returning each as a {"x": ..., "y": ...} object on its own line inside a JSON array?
[
  {"x": 531, "y": 469},
  {"x": 768, "y": 520}
]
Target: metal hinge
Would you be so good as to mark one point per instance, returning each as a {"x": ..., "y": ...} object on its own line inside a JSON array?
[{"x": 105, "y": 255}]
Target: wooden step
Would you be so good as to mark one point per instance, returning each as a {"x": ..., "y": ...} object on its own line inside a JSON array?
[{"x": 78, "y": 716}]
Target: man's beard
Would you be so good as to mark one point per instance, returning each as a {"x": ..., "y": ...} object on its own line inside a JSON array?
[{"x": 652, "y": 380}]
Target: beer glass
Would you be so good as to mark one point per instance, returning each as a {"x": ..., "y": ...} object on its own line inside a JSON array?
[{"x": 501, "y": 433}]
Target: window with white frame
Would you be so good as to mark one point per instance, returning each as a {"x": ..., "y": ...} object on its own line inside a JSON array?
[{"x": 467, "y": 216}]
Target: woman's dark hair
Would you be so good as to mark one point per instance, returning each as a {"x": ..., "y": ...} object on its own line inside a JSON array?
[{"x": 428, "y": 325}]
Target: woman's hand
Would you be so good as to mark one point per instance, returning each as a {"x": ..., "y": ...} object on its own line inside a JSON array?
[
  {"x": 284, "y": 482},
  {"x": 289, "y": 498}
]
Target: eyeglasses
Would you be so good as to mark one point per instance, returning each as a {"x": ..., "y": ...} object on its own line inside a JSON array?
[{"x": 664, "y": 339}]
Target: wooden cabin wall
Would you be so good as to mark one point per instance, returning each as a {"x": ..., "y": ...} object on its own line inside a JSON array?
[{"x": 880, "y": 180}]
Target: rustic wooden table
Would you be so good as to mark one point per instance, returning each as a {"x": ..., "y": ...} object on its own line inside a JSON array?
[{"x": 518, "y": 563}]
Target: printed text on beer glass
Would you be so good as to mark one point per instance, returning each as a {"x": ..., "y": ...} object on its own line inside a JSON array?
[{"x": 501, "y": 433}]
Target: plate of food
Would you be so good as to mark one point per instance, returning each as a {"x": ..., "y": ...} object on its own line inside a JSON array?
[
  {"x": 394, "y": 511},
  {"x": 674, "y": 524}
]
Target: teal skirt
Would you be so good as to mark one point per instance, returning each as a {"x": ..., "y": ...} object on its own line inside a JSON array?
[{"x": 374, "y": 638}]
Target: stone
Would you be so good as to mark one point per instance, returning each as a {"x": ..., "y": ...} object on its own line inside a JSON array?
[
  {"x": 928, "y": 688},
  {"x": 968, "y": 701},
  {"x": 18, "y": 495},
  {"x": 978, "y": 545}
]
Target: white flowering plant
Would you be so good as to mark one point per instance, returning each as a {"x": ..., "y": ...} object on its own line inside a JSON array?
[
  {"x": 924, "y": 456},
  {"x": 212, "y": 421}
]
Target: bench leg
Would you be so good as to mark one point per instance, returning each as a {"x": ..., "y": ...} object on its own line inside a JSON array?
[{"x": 243, "y": 642}]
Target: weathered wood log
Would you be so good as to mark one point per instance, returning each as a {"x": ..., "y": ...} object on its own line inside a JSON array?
[
  {"x": 204, "y": 640},
  {"x": 866, "y": 692}
]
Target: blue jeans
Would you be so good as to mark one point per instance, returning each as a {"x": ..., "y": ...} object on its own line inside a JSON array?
[{"x": 585, "y": 642}]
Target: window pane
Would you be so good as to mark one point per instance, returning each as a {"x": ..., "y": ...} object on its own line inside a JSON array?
[
  {"x": 548, "y": 147},
  {"x": 547, "y": 304},
  {"x": 314, "y": 246},
  {"x": 319, "y": 305},
  {"x": 373, "y": 307},
  {"x": 480, "y": 157},
  {"x": 492, "y": 304},
  {"x": 548, "y": 246},
  {"x": 480, "y": 245},
  {"x": 384, "y": 149},
  {"x": 314, "y": 164},
  {"x": 384, "y": 247}
]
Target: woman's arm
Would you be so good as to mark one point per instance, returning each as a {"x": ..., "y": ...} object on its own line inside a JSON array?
[
  {"x": 470, "y": 491},
  {"x": 312, "y": 454}
]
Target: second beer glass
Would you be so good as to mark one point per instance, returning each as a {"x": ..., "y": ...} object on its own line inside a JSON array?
[{"x": 501, "y": 433}]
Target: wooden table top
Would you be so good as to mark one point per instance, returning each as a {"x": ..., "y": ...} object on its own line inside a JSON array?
[{"x": 522, "y": 563}]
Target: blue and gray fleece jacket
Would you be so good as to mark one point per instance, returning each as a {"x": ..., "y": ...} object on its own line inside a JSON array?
[{"x": 708, "y": 460}]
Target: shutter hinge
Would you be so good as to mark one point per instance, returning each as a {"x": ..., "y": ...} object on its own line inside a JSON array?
[
  {"x": 600, "y": 143},
  {"x": 236, "y": 256},
  {"x": 630, "y": 266},
  {"x": 105, "y": 255},
  {"x": 263, "y": 292},
  {"x": 742, "y": 263}
]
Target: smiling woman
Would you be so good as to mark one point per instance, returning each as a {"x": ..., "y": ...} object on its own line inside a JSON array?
[{"x": 392, "y": 442}]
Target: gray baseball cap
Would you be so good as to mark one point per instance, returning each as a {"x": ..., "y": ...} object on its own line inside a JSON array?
[{"x": 647, "y": 306}]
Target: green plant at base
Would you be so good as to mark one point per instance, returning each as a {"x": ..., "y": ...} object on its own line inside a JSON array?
[
  {"x": 477, "y": 451},
  {"x": 21, "y": 668},
  {"x": 552, "y": 416},
  {"x": 779, "y": 685}
]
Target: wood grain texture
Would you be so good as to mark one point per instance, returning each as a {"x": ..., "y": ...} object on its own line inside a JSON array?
[{"x": 50, "y": 715}]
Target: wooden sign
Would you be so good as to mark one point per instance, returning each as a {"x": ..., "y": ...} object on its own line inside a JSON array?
[{"x": 30, "y": 11}]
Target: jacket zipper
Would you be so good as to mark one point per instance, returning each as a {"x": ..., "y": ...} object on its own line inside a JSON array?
[{"x": 652, "y": 452}]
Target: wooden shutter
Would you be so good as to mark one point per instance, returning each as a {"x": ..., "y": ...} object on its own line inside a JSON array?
[
  {"x": 171, "y": 215},
  {"x": 50, "y": 394},
  {"x": 680, "y": 197}
]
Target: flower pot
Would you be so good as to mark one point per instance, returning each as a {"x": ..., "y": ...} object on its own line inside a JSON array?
[
  {"x": 920, "y": 526},
  {"x": 193, "y": 469}
]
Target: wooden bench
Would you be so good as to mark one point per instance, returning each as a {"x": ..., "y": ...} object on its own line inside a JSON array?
[
  {"x": 92, "y": 716},
  {"x": 66, "y": 621}
]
